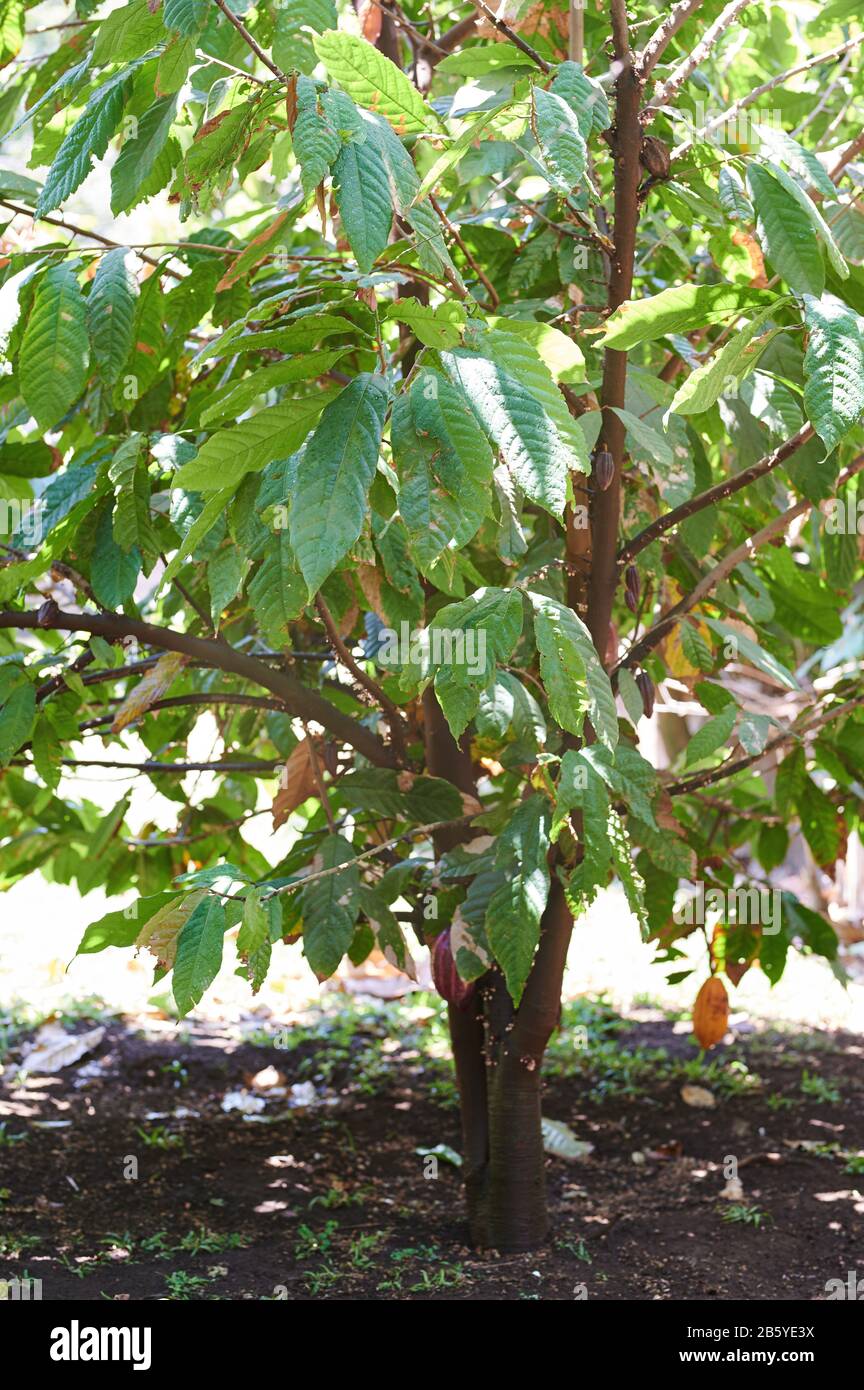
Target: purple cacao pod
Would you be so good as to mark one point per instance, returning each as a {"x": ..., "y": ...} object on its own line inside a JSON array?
[
  {"x": 604, "y": 468},
  {"x": 631, "y": 579},
  {"x": 448, "y": 981},
  {"x": 646, "y": 690}
]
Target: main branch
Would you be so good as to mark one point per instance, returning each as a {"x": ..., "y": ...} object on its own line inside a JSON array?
[{"x": 298, "y": 699}]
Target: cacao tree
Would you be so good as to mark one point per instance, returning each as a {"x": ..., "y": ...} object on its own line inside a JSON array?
[{"x": 480, "y": 446}]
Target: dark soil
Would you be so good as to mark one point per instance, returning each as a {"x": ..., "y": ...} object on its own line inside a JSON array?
[{"x": 330, "y": 1201}]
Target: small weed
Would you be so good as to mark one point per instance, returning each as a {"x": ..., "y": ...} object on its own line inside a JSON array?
[
  {"x": 182, "y": 1286},
  {"x": 311, "y": 1242},
  {"x": 738, "y": 1214},
  {"x": 818, "y": 1089}
]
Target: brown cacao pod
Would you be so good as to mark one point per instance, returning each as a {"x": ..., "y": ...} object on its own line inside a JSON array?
[
  {"x": 446, "y": 977},
  {"x": 646, "y": 690},
  {"x": 711, "y": 1012},
  {"x": 654, "y": 156},
  {"x": 604, "y": 468}
]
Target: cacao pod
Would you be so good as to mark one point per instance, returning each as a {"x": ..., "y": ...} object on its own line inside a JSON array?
[
  {"x": 646, "y": 690},
  {"x": 446, "y": 977},
  {"x": 631, "y": 580},
  {"x": 711, "y": 1012},
  {"x": 654, "y": 156},
  {"x": 604, "y": 468}
]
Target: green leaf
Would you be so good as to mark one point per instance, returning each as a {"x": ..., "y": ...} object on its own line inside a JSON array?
[
  {"x": 537, "y": 454},
  {"x": 561, "y": 355},
  {"x": 334, "y": 477},
  {"x": 817, "y": 221},
  {"x": 232, "y": 400},
  {"x": 296, "y": 21},
  {"x": 833, "y": 367},
  {"x": 559, "y": 136},
  {"x": 127, "y": 33},
  {"x": 630, "y": 695},
  {"x": 261, "y": 924},
  {"x": 316, "y": 139},
  {"x": 209, "y": 515},
  {"x": 122, "y": 927},
  {"x": 786, "y": 233},
  {"x": 733, "y": 198},
  {"x": 111, "y": 313},
  {"x": 225, "y": 571},
  {"x": 650, "y": 440},
  {"x": 86, "y": 141},
  {"x": 678, "y": 310},
  {"x": 330, "y": 907},
  {"x": 516, "y": 907},
  {"x": 362, "y": 192},
  {"x": 584, "y": 96},
  {"x": 572, "y": 672},
  {"x": 712, "y": 735},
  {"x": 817, "y": 934},
  {"x": 801, "y": 161},
  {"x": 820, "y": 823},
  {"x": 199, "y": 953},
  {"x": 438, "y": 327},
  {"x": 54, "y": 350},
  {"x": 373, "y": 81},
  {"x": 464, "y": 643},
  {"x": 717, "y": 377},
  {"x": 132, "y": 525},
  {"x": 186, "y": 17},
  {"x": 16, "y": 721},
  {"x": 752, "y": 652},
  {"x": 277, "y": 592},
  {"x": 113, "y": 571},
  {"x": 145, "y": 163},
  {"x": 273, "y": 433}
]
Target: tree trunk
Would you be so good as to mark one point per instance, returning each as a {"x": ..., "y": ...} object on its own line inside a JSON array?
[{"x": 498, "y": 1052}]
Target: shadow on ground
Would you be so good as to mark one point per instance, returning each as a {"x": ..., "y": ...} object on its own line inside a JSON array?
[{"x": 123, "y": 1177}]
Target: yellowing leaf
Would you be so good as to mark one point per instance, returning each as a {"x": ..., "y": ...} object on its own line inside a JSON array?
[
  {"x": 159, "y": 935},
  {"x": 148, "y": 690}
]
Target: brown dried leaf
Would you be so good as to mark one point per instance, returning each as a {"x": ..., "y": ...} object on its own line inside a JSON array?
[
  {"x": 149, "y": 690},
  {"x": 296, "y": 783},
  {"x": 370, "y": 583}
]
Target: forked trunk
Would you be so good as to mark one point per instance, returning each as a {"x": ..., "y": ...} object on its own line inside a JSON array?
[{"x": 498, "y": 1053}]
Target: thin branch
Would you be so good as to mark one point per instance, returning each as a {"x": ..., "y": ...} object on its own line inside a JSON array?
[
  {"x": 393, "y": 713},
  {"x": 780, "y": 80},
  {"x": 77, "y": 231},
  {"x": 852, "y": 149},
  {"x": 206, "y": 700},
  {"x": 253, "y": 43},
  {"x": 429, "y": 829},
  {"x": 494, "y": 297},
  {"x": 576, "y": 31},
  {"x": 697, "y": 55},
  {"x": 299, "y": 700},
  {"x": 718, "y": 493},
  {"x": 722, "y": 570},
  {"x": 504, "y": 28},
  {"x": 264, "y": 766},
  {"x": 719, "y": 774},
  {"x": 662, "y": 36}
]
